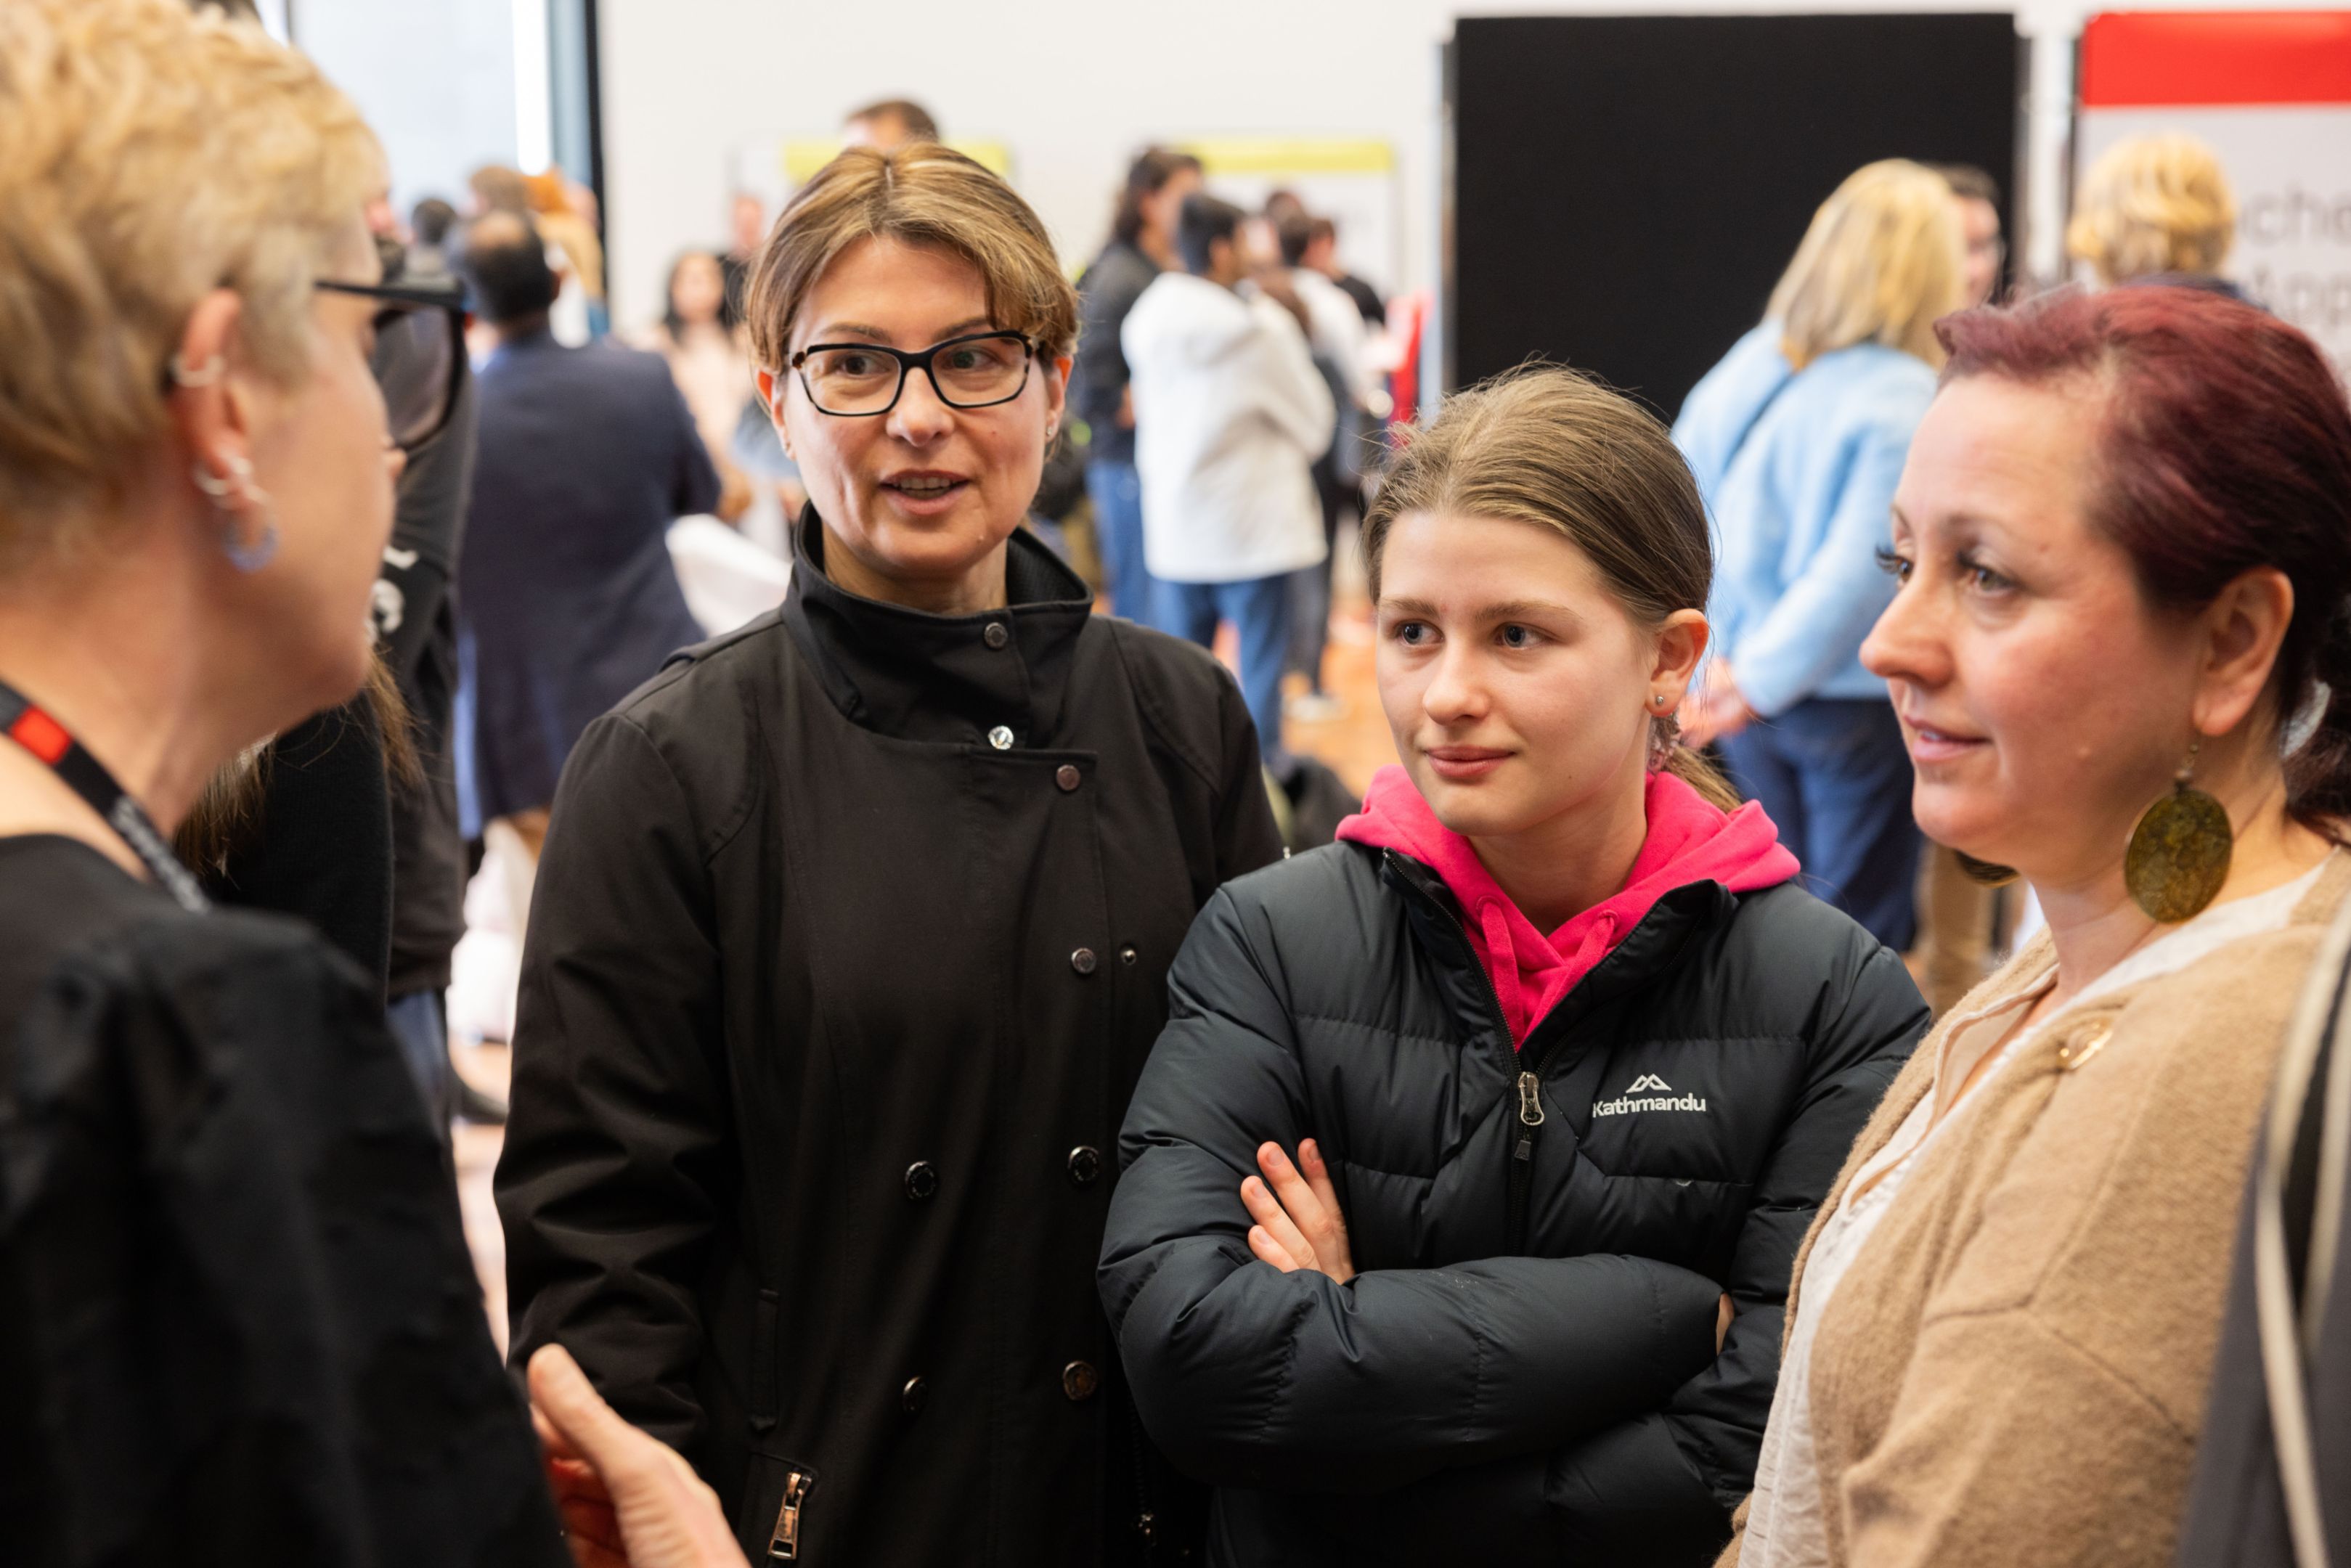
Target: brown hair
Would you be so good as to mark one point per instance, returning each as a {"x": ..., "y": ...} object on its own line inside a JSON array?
[
  {"x": 919, "y": 194},
  {"x": 1549, "y": 445}
]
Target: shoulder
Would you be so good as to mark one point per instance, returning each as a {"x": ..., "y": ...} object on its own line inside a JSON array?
[
  {"x": 1187, "y": 700},
  {"x": 1785, "y": 956},
  {"x": 1868, "y": 387},
  {"x": 1314, "y": 921}
]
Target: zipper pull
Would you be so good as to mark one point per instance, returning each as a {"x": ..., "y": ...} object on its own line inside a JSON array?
[
  {"x": 785, "y": 1547},
  {"x": 1531, "y": 1114}
]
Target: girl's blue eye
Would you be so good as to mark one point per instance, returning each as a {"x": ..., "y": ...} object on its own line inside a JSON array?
[
  {"x": 1409, "y": 633},
  {"x": 1518, "y": 637},
  {"x": 1896, "y": 567}
]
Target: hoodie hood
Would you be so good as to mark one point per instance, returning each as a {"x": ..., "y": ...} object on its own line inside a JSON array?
[
  {"x": 1689, "y": 841},
  {"x": 1187, "y": 319}
]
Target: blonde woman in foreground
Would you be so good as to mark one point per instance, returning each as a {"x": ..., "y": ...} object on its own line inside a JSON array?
[{"x": 2120, "y": 655}]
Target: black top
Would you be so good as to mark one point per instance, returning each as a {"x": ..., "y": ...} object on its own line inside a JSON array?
[
  {"x": 1524, "y": 1369},
  {"x": 240, "y": 1323},
  {"x": 848, "y": 943},
  {"x": 320, "y": 849},
  {"x": 1106, "y": 292}
]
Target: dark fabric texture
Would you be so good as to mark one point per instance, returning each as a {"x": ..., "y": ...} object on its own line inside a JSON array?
[
  {"x": 416, "y": 632},
  {"x": 567, "y": 600},
  {"x": 1524, "y": 1368},
  {"x": 1368, "y": 303},
  {"x": 320, "y": 849},
  {"x": 829, "y": 1009},
  {"x": 2236, "y": 1503},
  {"x": 1107, "y": 290},
  {"x": 241, "y": 1324}
]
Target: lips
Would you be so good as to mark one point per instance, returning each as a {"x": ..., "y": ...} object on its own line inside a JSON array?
[
  {"x": 1930, "y": 745},
  {"x": 926, "y": 490},
  {"x": 1464, "y": 763}
]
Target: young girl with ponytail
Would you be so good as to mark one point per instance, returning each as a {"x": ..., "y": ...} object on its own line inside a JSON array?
[{"x": 1462, "y": 1191}]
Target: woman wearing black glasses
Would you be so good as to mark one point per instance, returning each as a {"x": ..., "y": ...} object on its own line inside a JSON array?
[{"x": 850, "y": 937}]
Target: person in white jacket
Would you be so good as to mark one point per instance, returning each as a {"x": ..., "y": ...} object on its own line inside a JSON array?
[{"x": 1229, "y": 415}]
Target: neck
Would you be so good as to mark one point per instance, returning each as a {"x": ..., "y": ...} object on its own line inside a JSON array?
[
  {"x": 2095, "y": 923},
  {"x": 116, "y": 653},
  {"x": 1561, "y": 867},
  {"x": 981, "y": 588},
  {"x": 521, "y": 327}
]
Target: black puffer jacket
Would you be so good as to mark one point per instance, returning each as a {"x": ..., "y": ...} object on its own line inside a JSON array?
[{"x": 1524, "y": 1368}]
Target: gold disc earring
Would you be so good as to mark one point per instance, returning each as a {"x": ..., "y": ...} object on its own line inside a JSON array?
[{"x": 2179, "y": 854}]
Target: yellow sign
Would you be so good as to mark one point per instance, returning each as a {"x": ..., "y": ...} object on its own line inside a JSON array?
[
  {"x": 1292, "y": 155},
  {"x": 802, "y": 158}
]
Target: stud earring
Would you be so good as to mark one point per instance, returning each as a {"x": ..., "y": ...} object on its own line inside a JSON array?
[{"x": 2180, "y": 853}]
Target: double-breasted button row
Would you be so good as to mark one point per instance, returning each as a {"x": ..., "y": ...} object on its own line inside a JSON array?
[{"x": 1085, "y": 1165}]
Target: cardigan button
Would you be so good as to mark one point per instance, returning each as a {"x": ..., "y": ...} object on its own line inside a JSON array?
[
  {"x": 1000, "y": 738},
  {"x": 921, "y": 1180},
  {"x": 997, "y": 635},
  {"x": 1068, "y": 777},
  {"x": 1084, "y": 961},
  {"x": 1085, "y": 1165},
  {"x": 1079, "y": 1381}
]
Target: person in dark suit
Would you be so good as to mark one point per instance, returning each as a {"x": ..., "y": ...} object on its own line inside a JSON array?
[{"x": 567, "y": 599}]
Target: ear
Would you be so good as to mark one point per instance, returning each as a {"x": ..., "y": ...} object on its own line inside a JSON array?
[
  {"x": 1681, "y": 646},
  {"x": 1057, "y": 392},
  {"x": 771, "y": 397},
  {"x": 211, "y": 398},
  {"x": 2243, "y": 629}
]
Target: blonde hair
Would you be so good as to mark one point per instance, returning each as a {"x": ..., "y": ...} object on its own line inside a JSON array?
[
  {"x": 1881, "y": 262},
  {"x": 919, "y": 194},
  {"x": 1551, "y": 447},
  {"x": 147, "y": 157},
  {"x": 2154, "y": 204}
]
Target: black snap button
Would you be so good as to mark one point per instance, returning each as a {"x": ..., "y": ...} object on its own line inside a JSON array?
[
  {"x": 997, "y": 635},
  {"x": 1085, "y": 1165},
  {"x": 1068, "y": 777},
  {"x": 1083, "y": 961},
  {"x": 921, "y": 1180},
  {"x": 914, "y": 1395},
  {"x": 1079, "y": 1381},
  {"x": 1128, "y": 954}
]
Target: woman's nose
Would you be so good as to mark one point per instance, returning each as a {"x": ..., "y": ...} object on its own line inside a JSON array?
[
  {"x": 920, "y": 417},
  {"x": 1901, "y": 644}
]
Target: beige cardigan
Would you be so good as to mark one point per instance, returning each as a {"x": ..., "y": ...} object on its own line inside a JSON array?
[{"x": 2014, "y": 1370}]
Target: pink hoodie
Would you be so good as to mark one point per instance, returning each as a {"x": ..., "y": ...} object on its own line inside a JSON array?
[{"x": 1690, "y": 841}]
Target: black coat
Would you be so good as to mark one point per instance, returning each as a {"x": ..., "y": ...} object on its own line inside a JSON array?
[
  {"x": 831, "y": 1005},
  {"x": 1524, "y": 1369}
]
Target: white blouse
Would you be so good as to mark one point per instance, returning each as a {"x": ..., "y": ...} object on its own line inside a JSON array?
[{"x": 1784, "y": 1526}]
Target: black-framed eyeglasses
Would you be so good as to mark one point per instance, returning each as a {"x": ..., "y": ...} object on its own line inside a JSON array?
[
  {"x": 420, "y": 354},
  {"x": 856, "y": 381}
]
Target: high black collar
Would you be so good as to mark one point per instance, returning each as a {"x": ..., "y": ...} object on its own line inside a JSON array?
[{"x": 919, "y": 676}]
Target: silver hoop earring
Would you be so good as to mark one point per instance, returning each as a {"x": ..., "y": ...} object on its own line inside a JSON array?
[
  {"x": 210, "y": 374},
  {"x": 218, "y": 490},
  {"x": 239, "y": 485}
]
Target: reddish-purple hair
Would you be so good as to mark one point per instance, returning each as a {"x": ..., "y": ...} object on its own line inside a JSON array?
[{"x": 2226, "y": 445}]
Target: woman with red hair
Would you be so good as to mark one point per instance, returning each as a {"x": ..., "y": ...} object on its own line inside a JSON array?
[{"x": 2120, "y": 656}]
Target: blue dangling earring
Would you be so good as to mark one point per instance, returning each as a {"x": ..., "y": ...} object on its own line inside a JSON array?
[{"x": 246, "y": 557}]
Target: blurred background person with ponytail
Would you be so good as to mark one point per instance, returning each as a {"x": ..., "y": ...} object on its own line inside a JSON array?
[
  {"x": 1142, "y": 246},
  {"x": 1797, "y": 438}
]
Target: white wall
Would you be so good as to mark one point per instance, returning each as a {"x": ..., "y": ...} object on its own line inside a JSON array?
[
  {"x": 434, "y": 78},
  {"x": 1074, "y": 86}
]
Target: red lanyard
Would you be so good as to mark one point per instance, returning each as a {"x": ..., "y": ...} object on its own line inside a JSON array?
[{"x": 31, "y": 728}]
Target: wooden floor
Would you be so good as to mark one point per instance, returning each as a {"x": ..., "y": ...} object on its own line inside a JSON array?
[{"x": 1355, "y": 743}]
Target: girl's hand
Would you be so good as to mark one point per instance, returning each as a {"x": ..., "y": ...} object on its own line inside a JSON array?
[{"x": 1298, "y": 1225}]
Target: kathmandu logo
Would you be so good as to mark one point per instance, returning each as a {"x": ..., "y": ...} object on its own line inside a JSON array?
[{"x": 1656, "y": 1094}]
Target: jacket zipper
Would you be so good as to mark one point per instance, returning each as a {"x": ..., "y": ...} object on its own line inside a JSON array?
[{"x": 784, "y": 1545}]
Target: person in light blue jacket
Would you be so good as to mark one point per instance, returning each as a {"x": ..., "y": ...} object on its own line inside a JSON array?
[{"x": 1798, "y": 439}]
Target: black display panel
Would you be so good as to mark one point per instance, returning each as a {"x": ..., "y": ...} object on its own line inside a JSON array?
[{"x": 1624, "y": 190}]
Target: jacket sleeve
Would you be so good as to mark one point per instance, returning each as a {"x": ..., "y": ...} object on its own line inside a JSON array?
[
  {"x": 1667, "y": 1481},
  {"x": 615, "y": 1166},
  {"x": 1250, "y": 1378},
  {"x": 1816, "y": 626}
]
